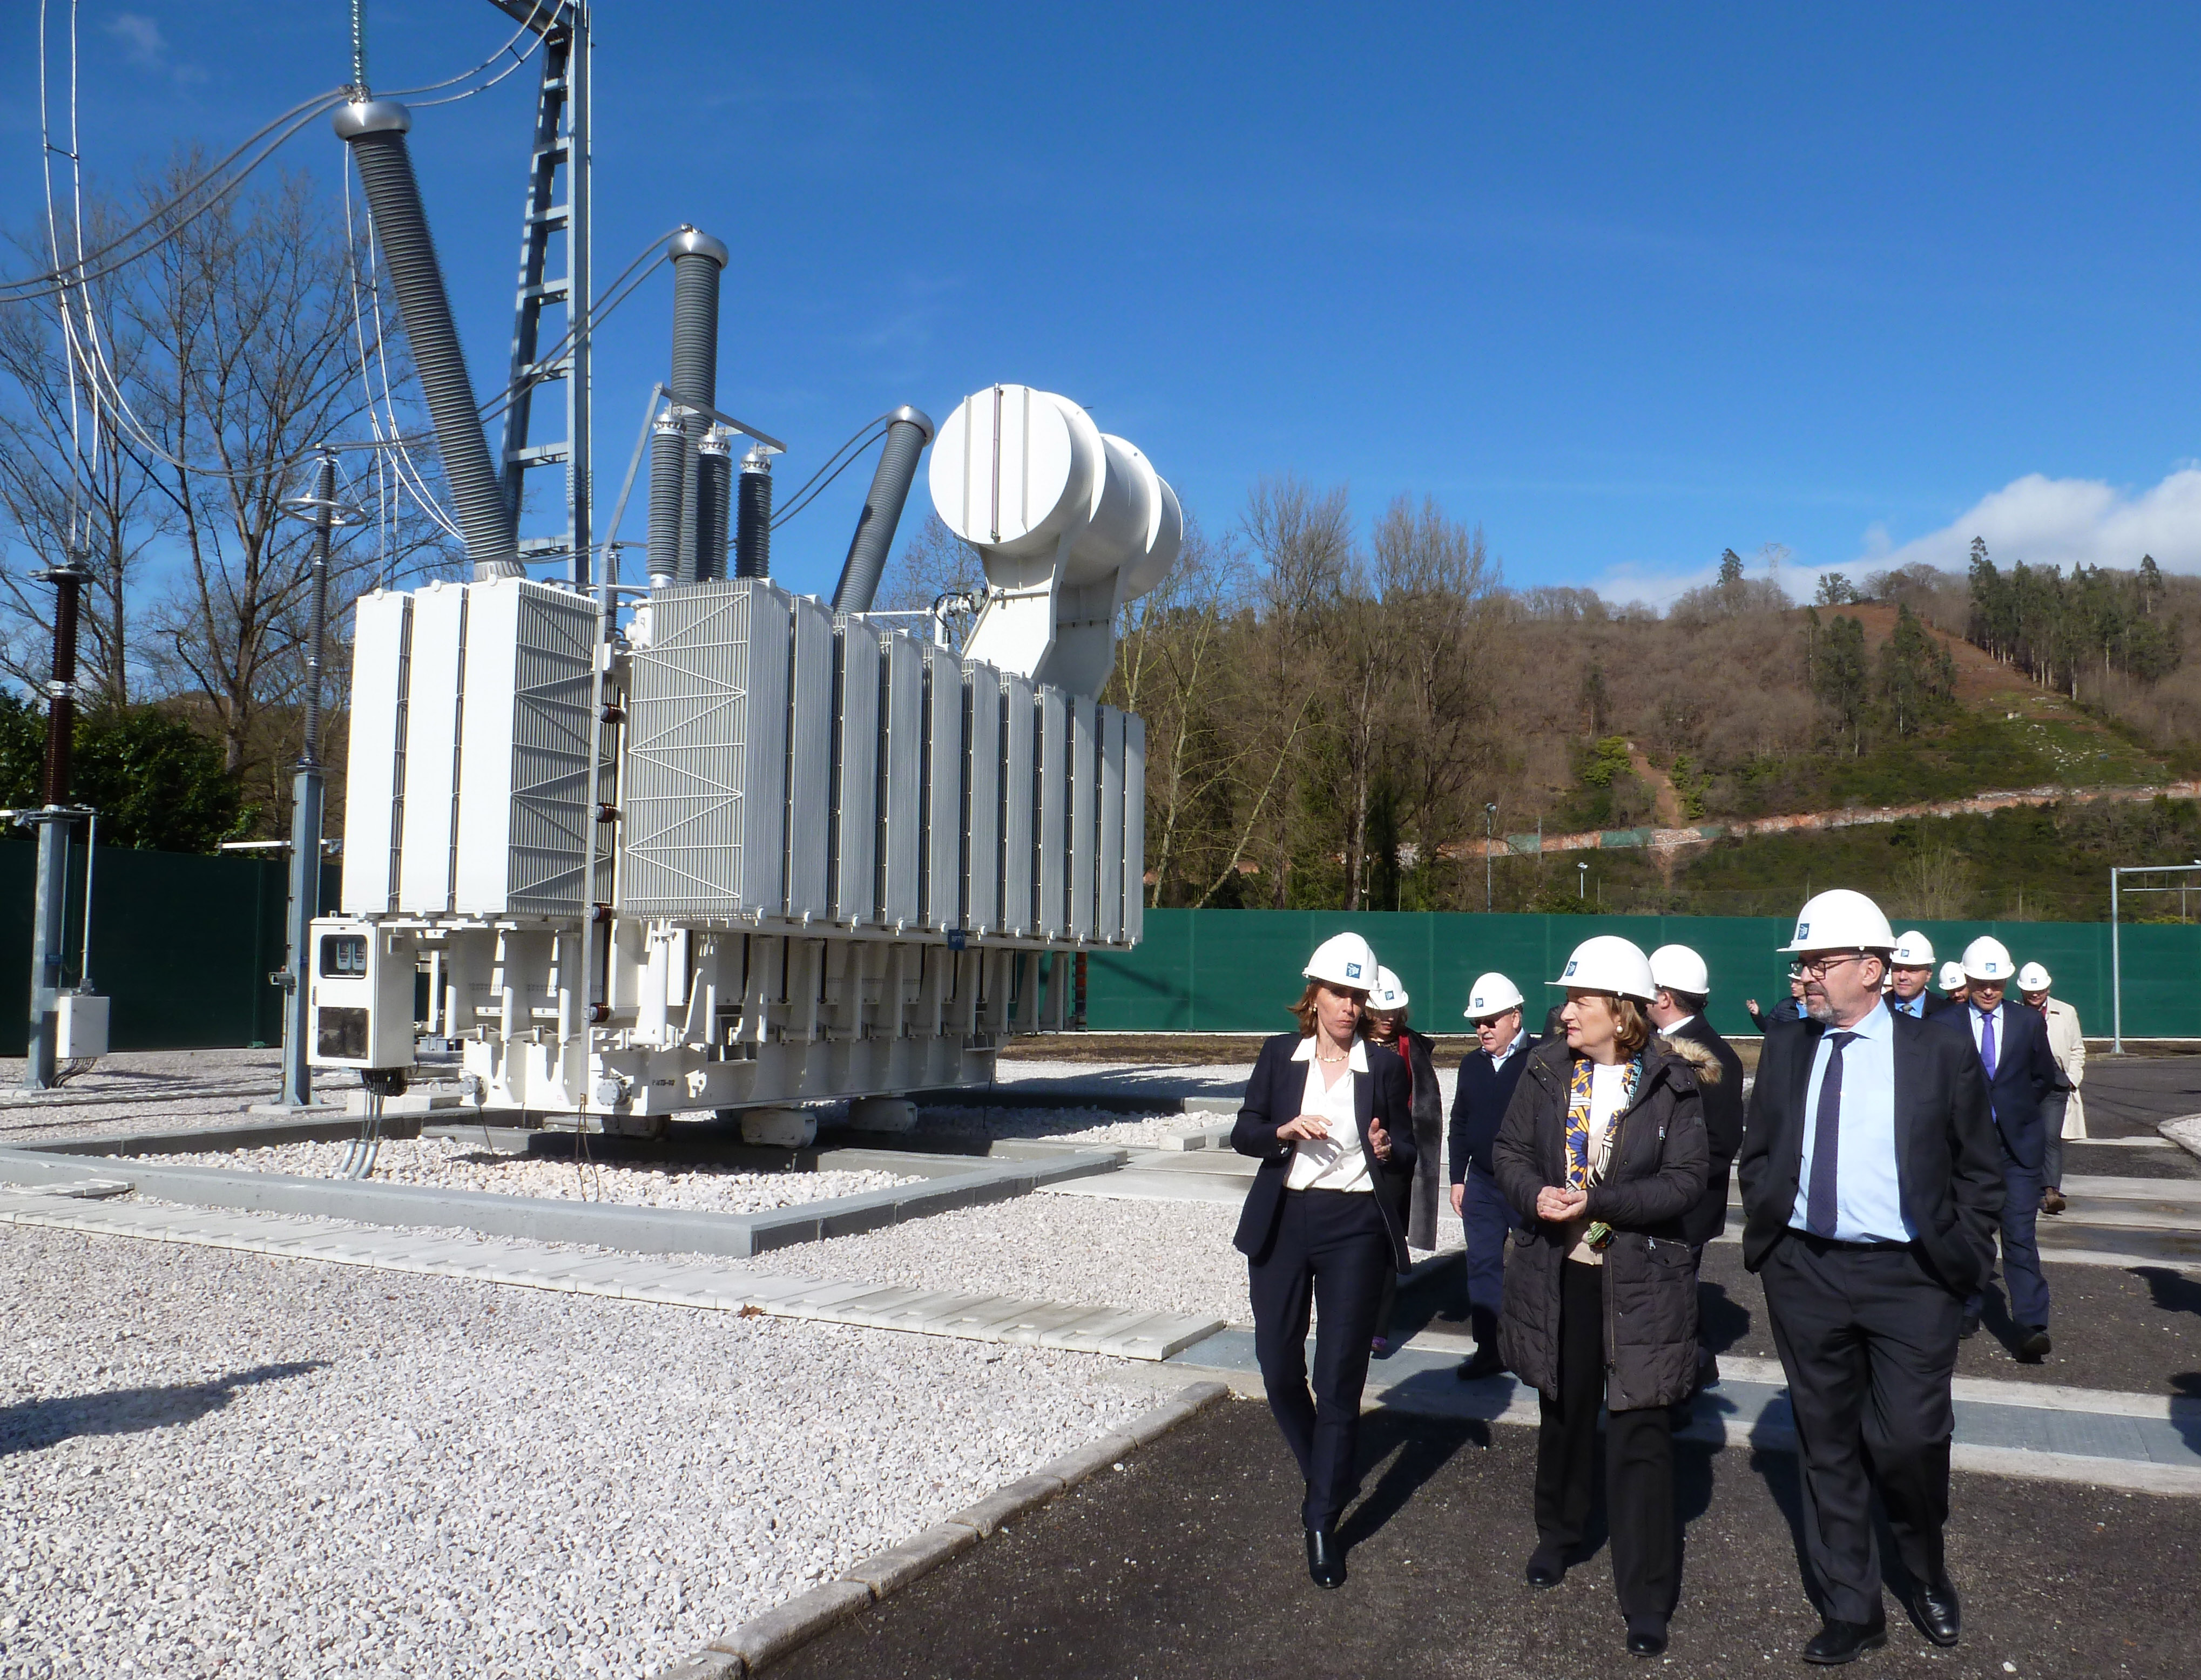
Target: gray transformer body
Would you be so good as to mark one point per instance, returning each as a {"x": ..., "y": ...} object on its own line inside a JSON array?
[{"x": 752, "y": 853}]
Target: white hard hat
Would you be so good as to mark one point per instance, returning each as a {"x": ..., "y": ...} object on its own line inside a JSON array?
[
  {"x": 1678, "y": 969},
  {"x": 1343, "y": 959},
  {"x": 1913, "y": 951},
  {"x": 1607, "y": 962},
  {"x": 1840, "y": 920},
  {"x": 2033, "y": 978},
  {"x": 1491, "y": 994},
  {"x": 1952, "y": 976},
  {"x": 1987, "y": 957},
  {"x": 1387, "y": 996}
]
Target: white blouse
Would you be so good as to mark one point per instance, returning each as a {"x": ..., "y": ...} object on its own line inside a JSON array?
[{"x": 1337, "y": 1162}]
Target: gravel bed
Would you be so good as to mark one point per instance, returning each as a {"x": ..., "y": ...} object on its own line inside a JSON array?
[
  {"x": 225, "y": 1463},
  {"x": 1081, "y": 1125},
  {"x": 1156, "y": 1256},
  {"x": 451, "y": 1164},
  {"x": 143, "y": 1091}
]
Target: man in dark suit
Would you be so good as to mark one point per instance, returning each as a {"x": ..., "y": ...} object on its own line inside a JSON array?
[
  {"x": 1488, "y": 1075},
  {"x": 1677, "y": 1011},
  {"x": 1910, "y": 976},
  {"x": 1954, "y": 991},
  {"x": 1871, "y": 1184},
  {"x": 2021, "y": 1073}
]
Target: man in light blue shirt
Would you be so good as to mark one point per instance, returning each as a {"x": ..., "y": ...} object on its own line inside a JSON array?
[{"x": 1867, "y": 1196}]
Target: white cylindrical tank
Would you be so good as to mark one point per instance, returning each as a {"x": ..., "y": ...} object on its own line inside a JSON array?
[{"x": 1015, "y": 469}]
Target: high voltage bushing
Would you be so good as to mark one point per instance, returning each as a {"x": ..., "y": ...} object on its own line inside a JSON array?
[
  {"x": 375, "y": 131},
  {"x": 668, "y": 464},
  {"x": 714, "y": 489},
  {"x": 752, "y": 527},
  {"x": 907, "y": 433},
  {"x": 699, "y": 262}
]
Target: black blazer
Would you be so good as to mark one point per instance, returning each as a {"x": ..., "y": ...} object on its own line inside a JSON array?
[
  {"x": 1273, "y": 1098},
  {"x": 1947, "y": 1166},
  {"x": 1723, "y": 1100},
  {"x": 1478, "y": 1104},
  {"x": 2025, "y": 1073}
]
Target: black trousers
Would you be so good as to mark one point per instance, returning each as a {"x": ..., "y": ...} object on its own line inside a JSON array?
[
  {"x": 1639, "y": 1469},
  {"x": 1331, "y": 1254},
  {"x": 1867, "y": 1337}
]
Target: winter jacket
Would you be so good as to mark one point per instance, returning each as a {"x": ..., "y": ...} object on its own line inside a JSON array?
[
  {"x": 2068, "y": 1044},
  {"x": 1479, "y": 1101},
  {"x": 1417, "y": 1051},
  {"x": 1653, "y": 1178},
  {"x": 1719, "y": 1082}
]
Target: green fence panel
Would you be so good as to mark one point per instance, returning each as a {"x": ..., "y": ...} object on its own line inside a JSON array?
[
  {"x": 1238, "y": 971},
  {"x": 182, "y": 945}
]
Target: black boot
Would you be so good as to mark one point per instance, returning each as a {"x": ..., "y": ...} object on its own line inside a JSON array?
[{"x": 1325, "y": 1558}]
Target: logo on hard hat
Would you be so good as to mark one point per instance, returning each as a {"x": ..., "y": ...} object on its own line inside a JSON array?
[
  {"x": 1571, "y": 966},
  {"x": 1352, "y": 971},
  {"x": 1803, "y": 932},
  {"x": 1474, "y": 1002}
]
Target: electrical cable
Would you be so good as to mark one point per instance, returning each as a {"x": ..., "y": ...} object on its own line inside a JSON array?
[{"x": 800, "y": 500}]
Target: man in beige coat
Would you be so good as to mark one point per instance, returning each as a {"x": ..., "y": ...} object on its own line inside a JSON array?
[{"x": 2068, "y": 1044}]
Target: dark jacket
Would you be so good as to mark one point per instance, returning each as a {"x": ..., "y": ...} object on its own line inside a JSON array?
[
  {"x": 1946, "y": 1164},
  {"x": 1418, "y": 1051},
  {"x": 1478, "y": 1104},
  {"x": 1273, "y": 1098},
  {"x": 2026, "y": 1073},
  {"x": 1788, "y": 1010},
  {"x": 1655, "y": 1177},
  {"x": 1719, "y": 1082},
  {"x": 1939, "y": 1004}
]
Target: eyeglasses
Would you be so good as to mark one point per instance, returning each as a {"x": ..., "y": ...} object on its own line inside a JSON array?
[{"x": 1819, "y": 965}]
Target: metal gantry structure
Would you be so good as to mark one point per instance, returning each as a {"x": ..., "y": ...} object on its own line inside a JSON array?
[
  {"x": 555, "y": 218},
  {"x": 2117, "y": 953}
]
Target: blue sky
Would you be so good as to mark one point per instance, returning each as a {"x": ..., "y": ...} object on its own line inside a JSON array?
[{"x": 1625, "y": 284}]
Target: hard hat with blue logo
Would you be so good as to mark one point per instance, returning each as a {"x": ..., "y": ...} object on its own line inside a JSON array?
[
  {"x": 1491, "y": 994},
  {"x": 1387, "y": 996},
  {"x": 1608, "y": 962},
  {"x": 1343, "y": 960}
]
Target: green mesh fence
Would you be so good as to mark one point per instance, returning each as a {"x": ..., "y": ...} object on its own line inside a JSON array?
[{"x": 1235, "y": 971}]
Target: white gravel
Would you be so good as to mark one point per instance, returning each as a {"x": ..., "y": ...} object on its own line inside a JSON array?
[
  {"x": 453, "y": 1163},
  {"x": 1078, "y": 1126},
  {"x": 224, "y": 1463},
  {"x": 144, "y": 1091},
  {"x": 1155, "y": 1257}
]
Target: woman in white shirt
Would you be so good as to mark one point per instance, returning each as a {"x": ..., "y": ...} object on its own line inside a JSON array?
[
  {"x": 1330, "y": 1118},
  {"x": 1603, "y": 1153}
]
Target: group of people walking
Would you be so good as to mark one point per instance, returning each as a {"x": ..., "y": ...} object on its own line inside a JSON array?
[{"x": 1887, "y": 1143}]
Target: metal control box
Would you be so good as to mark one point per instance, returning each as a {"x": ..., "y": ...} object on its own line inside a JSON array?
[
  {"x": 360, "y": 1006},
  {"x": 79, "y": 1025}
]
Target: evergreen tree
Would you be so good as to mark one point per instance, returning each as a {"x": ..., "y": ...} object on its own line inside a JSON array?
[{"x": 1842, "y": 680}]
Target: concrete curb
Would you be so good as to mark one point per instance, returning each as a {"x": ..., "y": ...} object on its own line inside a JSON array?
[
  {"x": 1060, "y": 1096},
  {"x": 630, "y": 1228},
  {"x": 2185, "y": 1130},
  {"x": 764, "y": 1639}
]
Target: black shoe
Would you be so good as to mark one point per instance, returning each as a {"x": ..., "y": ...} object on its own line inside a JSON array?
[
  {"x": 1967, "y": 1327},
  {"x": 1935, "y": 1610},
  {"x": 1325, "y": 1559},
  {"x": 1845, "y": 1642},
  {"x": 1646, "y": 1636},
  {"x": 1547, "y": 1567},
  {"x": 2032, "y": 1346},
  {"x": 1486, "y": 1363}
]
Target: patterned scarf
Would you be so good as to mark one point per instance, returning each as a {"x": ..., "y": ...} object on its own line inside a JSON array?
[{"x": 1578, "y": 1153}]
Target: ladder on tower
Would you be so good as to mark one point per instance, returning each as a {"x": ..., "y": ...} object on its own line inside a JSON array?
[{"x": 558, "y": 158}]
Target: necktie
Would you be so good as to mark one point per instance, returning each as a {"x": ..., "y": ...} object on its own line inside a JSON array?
[
  {"x": 1986, "y": 1041},
  {"x": 1826, "y": 1141}
]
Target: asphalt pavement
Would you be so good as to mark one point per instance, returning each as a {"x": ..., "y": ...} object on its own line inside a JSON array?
[{"x": 1188, "y": 1563}]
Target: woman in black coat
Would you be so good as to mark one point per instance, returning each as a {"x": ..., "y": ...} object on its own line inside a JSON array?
[
  {"x": 1385, "y": 1014},
  {"x": 1326, "y": 1116},
  {"x": 1603, "y": 1152}
]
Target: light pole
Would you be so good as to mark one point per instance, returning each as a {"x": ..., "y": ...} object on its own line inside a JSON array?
[
  {"x": 1489, "y": 824},
  {"x": 49, "y": 912},
  {"x": 1582, "y": 882}
]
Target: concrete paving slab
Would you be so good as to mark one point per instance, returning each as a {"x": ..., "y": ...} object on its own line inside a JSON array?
[
  {"x": 1167, "y": 1333},
  {"x": 1133, "y": 1184},
  {"x": 1086, "y": 1335},
  {"x": 1027, "y": 1328},
  {"x": 981, "y": 1316}
]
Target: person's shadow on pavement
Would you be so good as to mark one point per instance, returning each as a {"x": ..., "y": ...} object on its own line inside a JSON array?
[{"x": 1416, "y": 1448}]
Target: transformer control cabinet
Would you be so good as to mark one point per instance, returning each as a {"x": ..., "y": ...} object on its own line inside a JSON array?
[
  {"x": 361, "y": 1008},
  {"x": 80, "y": 1026}
]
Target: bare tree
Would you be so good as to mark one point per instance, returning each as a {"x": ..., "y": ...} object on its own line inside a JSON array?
[{"x": 71, "y": 482}]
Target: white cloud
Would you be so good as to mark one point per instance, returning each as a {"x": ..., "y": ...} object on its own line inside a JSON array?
[
  {"x": 140, "y": 37},
  {"x": 2064, "y": 521}
]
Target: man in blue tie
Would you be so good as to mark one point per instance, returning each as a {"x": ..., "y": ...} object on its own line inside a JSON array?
[
  {"x": 2021, "y": 1073},
  {"x": 1870, "y": 1188}
]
